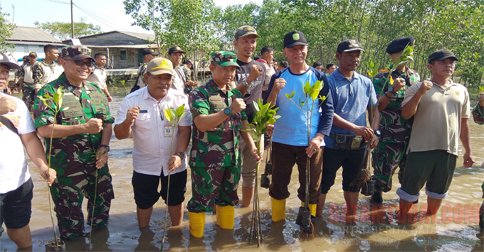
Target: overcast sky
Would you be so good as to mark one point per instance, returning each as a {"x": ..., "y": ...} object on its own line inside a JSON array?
[{"x": 108, "y": 14}]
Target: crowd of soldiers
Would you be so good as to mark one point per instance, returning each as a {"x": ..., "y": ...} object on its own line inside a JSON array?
[{"x": 414, "y": 125}]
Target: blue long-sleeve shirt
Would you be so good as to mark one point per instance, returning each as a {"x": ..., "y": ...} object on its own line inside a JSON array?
[{"x": 291, "y": 128}]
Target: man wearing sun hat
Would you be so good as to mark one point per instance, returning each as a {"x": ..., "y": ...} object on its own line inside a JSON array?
[
  {"x": 142, "y": 114},
  {"x": 80, "y": 143},
  {"x": 441, "y": 109},
  {"x": 218, "y": 117},
  {"x": 17, "y": 132}
]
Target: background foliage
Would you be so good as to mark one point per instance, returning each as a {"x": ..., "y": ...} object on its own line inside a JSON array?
[{"x": 5, "y": 31}]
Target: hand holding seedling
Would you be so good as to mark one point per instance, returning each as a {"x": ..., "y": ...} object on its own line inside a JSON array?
[
  {"x": 365, "y": 132},
  {"x": 174, "y": 163},
  {"x": 48, "y": 174},
  {"x": 101, "y": 157},
  {"x": 237, "y": 105},
  {"x": 94, "y": 126}
]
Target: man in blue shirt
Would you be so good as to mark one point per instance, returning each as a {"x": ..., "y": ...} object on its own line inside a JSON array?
[
  {"x": 352, "y": 95},
  {"x": 290, "y": 136}
]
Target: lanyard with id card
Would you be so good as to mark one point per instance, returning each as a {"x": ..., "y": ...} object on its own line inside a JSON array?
[{"x": 167, "y": 129}]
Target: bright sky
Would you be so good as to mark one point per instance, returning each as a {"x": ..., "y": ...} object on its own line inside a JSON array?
[{"x": 108, "y": 14}]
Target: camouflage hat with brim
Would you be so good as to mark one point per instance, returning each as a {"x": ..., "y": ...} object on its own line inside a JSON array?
[
  {"x": 245, "y": 31},
  {"x": 159, "y": 66},
  {"x": 224, "y": 58},
  {"x": 76, "y": 52}
]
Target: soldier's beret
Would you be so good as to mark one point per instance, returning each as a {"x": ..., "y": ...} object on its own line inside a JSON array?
[{"x": 397, "y": 45}]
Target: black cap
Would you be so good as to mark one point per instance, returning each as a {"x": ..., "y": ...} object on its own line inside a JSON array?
[
  {"x": 349, "y": 45},
  {"x": 147, "y": 51},
  {"x": 397, "y": 45},
  {"x": 33, "y": 54},
  {"x": 441, "y": 54},
  {"x": 295, "y": 38},
  {"x": 175, "y": 49}
]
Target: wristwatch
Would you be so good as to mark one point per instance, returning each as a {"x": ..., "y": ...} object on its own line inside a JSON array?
[
  {"x": 377, "y": 132},
  {"x": 228, "y": 111},
  {"x": 244, "y": 82},
  {"x": 105, "y": 146},
  {"x": 180, "y": 154}
]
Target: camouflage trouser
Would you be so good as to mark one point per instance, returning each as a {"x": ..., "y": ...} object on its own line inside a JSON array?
[
  {"x": 67, "y": 194},
  {"x": 386, "y": 158},
  {"x": 213, "y": 184},
  {"x": 27, "y": 95}
]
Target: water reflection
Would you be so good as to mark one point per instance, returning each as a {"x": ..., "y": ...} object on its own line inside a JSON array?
[{"x": 455, "y": 229}]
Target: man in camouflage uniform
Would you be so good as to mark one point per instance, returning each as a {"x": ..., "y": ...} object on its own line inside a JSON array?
[
  {"x": 478, "y": 114},
  {"x": 395, "y": 130},
  {"x": 48, "y": 69},
  {"x": 218, "y": 117},
  {"x": 27, "y": 80},
  {"x": 79, "y": 146},
  {"x": 148, "y": 55}
]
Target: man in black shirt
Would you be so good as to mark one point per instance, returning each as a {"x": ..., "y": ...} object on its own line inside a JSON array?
[{"x": 249, "y": 79}]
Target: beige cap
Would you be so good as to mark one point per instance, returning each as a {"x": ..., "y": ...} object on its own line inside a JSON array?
[{"x": 159, "y": 66}]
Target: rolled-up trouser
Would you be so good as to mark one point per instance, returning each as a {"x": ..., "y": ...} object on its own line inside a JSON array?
[
  {"x": 283, "y": 159},
  {"x": 434, "y": 169},
  {"x": 210, "y": 185},
  {"x": 248, "y": 163},
  {"x": 68, "y": 202}
]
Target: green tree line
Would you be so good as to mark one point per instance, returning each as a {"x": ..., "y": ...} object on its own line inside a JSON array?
[{"x": 200, "y": 26}]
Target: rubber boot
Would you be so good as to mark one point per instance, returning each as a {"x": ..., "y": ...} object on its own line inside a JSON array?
[
  {"x": 278, "y": 209},
  {"x": 197, "y": 223},
  {"x": 312, "y": 208},
  {"x": 225, "y": 217}
]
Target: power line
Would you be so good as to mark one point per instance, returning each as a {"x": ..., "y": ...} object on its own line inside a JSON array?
[{"x": 99, "y": 19}]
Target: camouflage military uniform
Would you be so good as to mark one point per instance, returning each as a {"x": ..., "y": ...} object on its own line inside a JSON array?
[
  {"x": 74, "y": 157},
  {"x": 395, "y": 130},
  {"x": 42, "y": 77},
  {"x": 215, "y": 158},
  {"x": 478, "y": 115},
  {"x": 27, "y": 88}
]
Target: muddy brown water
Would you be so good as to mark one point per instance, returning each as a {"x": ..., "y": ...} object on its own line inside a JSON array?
[{"x": 455, "y": 228}]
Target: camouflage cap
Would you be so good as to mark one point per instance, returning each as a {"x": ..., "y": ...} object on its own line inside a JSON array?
[
  {"x": 33, "y": 54},
  {"x": 76, "y": 52},
  {"x": 224, "y": 58},
  {"x": 245, "y": 31},
  {"x": 159, "y": 66}
]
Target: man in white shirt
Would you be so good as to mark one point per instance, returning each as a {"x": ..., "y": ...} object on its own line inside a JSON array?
[
  {"x": 17, "y": 131},
  {"x": 99, "y": 74},
  {"x": 48, "y": 69},
  {"x": 142, "y": 113}
]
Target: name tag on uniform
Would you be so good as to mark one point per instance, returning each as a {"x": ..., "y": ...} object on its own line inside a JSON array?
[
  {"x": 143, "y": 111},
  {"x": 168, "y": 129}
]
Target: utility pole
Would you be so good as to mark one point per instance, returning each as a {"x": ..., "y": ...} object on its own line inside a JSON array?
[{"x": 72, "y": 19}]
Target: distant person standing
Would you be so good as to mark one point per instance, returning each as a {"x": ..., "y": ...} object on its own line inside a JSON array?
[
  {"x": 274, "y": 64},
  {"x": 441, "y": 109},
  {"x": 47, "y": 69},
  {"x": 478, "y": 114},
  {"x": 27, "y": 80},
  {"x": 318, "y": 66},
  {"x": 148, "y": 55},
  {"x": 267, "y": 56},
  {"x": 283, "y": 65},
  {"x": 99, "y": 75},
  {"x": 330, "y": 68},
  {"x": 181, "y": 80}
]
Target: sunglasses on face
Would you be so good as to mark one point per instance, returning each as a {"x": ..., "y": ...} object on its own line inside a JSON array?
[{"x": 81, "y": 63}]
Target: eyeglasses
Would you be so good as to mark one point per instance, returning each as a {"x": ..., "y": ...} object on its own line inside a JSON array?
[{"x": 82, "y": 63}]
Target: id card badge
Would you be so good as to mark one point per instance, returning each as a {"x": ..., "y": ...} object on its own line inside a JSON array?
[{"x": 168, "y": 129}]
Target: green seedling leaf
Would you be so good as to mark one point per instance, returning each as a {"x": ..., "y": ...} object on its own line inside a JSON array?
[
  {"x": 168, "y": 115},
  {"x": 45, "y": 103},
  {"x": 306, "y": 88},
  {"x": 179, "y": 111},
  {"x": 256, "y": 105},
  {"x": 58, "y": 97},
  {"x": 317, "y": 88},
  {"x": 402, "y": 63},
  {"x": 481, "y": 89}
]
